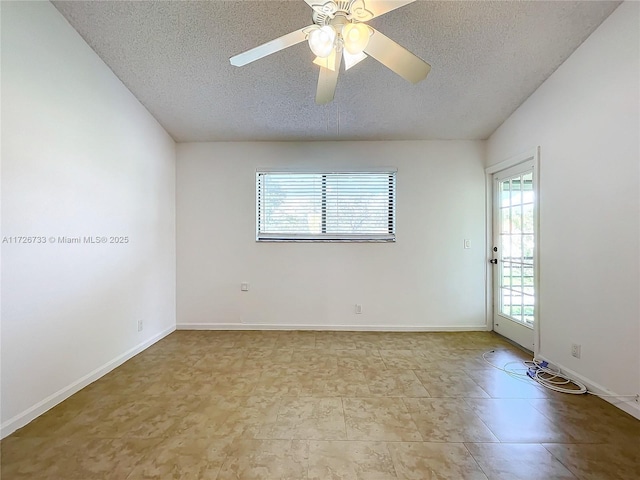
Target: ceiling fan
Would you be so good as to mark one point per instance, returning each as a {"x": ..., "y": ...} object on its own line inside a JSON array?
[{"x": 339, "y": 30}]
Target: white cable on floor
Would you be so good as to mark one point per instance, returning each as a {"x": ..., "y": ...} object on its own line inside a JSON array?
[
  {"x": 548, "y": 377},
  {"x": 523, "y": 377}
]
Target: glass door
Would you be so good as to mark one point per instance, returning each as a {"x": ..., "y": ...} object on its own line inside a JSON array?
[{"x": 514, "y": 254}]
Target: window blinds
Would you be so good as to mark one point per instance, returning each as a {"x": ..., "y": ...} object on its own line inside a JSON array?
[{"x": 343, "y": 206}]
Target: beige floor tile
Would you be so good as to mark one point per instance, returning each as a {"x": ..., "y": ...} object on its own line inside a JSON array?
[
  {"x": 109, "y": 459},
  {"x": 590, "y": 420},
  {"x": 315, "y": 359},
  {"x": 516, "y": 421},
  {"x": 435, "y": 339},
  {"x": 261, "y": 358},
  {"x": 297, "y": 340},
  {"x": 289, "y": 381},
  {"x": 442, "y": 384},
  {"x": 501, "y": 385},
  {"x": 183, "y": 371},
  {"x": 447, "y": 420},
  {"x": 147, "y": 361},
  {"x": 485, "y": 340},
  {"x": 399, "y": 359},
  {"x": 379, "y": 419},
  {"x": 151, "y": 417},
  {"x": 166, "y": 386},
  {"x": 71, "y": 416},
  {"x": 394, "y": 383},
  {"x": 267, "y": 459},
  {"x": 467, "y": 361},
  {"x": 115, "y": 416},
  {"x": 398, "y": 341},
  {"x": 181, "y": 457},
  {"x": 449, "y": 354},
  {"x": 518, "y": 462},
  {"x": 599, "y": 462},
  {"x": 307, "y": 418},
  {"x": 434, "y": 461},
  {"x": 360, "y": 359},
  {"x": 275, "y": 404},
  {"x": 229, "y": 417},
  {"x": 474, "y": 357},
  {"x": 334, "y": 341},
  {"x": 366, "y": 340},
  {"x": 230, "y": 360},
  {"x": 235, "y": 383},
  {"x": 192, "y": 343},
  {"x": 434, "y": 366},
  {"x": 123, "y": 382},
  {"x": 350, "y": 461},
  {"x": 251, "y": 340},
  {"x": 341, "y": 382},
  {"x": 503, "y": 356},
  {"x": 34, "y": 458},
  {"x": 71, "y": 459}
]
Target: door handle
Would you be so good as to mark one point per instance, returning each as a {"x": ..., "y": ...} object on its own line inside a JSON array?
[{"x": 494, "y": 261}]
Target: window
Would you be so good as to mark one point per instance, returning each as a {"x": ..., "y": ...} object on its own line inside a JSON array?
[{"x": 326, "y": 206}]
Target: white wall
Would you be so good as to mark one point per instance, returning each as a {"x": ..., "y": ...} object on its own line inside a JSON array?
[
  {"x": 426, "y": 280},
  {"x": 585, "y": 118},
  {"x": 80, "y": 157}
]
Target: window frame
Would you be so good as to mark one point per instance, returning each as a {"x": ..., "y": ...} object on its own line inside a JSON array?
[{"x": 389, "y": 237}]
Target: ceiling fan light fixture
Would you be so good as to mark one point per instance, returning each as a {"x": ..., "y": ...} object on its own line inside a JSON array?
[
  {"x": 338, "y": 32},
  {"x": 327, "y": 62},
  {"x": 356, "y": 37},
  {"x": 350, "y": 60},
  {"x": 322, "y": 40}
]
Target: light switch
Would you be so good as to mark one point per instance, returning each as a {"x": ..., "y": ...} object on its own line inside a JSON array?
[
  {"x": 244, "y": 286},
  {"x": 467, "y": 243}
]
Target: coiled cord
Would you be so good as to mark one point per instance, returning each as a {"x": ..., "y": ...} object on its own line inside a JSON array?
[{"x": 540, "y": 373}]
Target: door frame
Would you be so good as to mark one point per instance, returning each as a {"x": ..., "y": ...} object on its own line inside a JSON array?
[{"x": 531, "y": 155}]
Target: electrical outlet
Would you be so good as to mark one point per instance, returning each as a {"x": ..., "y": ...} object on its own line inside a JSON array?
[
  {"x": 575, "y": 350},
  {"x": 140, "y": 325},
  {"x": 358, "y": 308}
]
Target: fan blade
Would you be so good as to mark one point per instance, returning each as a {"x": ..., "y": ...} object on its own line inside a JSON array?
[
  {"x": 327, "y": 81},
  {"x": 268, "y": 48},
  {"x": 365, "y": 10},
  {"x": 397, "y": 58}
]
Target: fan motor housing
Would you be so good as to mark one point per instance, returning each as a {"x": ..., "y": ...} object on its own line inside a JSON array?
[{"x": 331, "y": 11}]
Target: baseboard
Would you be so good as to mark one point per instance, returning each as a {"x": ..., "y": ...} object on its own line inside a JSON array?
[
  {"x": 51, "y": 401},
  {"x": 628, "y": 405},
  {"x": 348, "y": 328}
]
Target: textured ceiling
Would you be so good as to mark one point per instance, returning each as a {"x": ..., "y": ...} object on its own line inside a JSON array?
[{"x": 486, "y": 58}]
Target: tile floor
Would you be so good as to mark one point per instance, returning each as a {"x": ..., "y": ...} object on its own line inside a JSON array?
[{"x": 325, "y": 406}]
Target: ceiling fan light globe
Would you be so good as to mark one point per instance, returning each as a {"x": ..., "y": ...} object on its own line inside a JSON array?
[
  {"x": 356, "y": 37},
  {"x": 350, "y": 59},
  {"x": 322, "y": 40}
]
